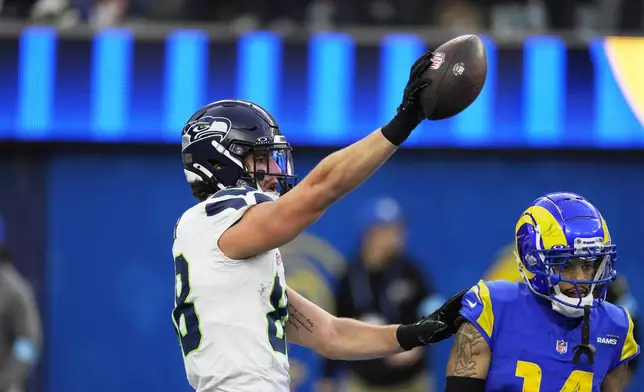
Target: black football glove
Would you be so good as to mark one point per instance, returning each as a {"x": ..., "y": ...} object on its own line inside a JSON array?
[
  {"x": 434, "y": 328},
  {"x": 409, "y": 114}
]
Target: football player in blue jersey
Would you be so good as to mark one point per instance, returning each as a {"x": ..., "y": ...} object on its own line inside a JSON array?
[{"x": 555, "y": 331}]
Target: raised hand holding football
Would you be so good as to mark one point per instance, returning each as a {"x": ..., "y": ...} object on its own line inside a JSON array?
[{"x": 458, "y": 72}]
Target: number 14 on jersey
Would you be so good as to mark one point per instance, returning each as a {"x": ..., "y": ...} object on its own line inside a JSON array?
[{"x": 578, "y": 380}]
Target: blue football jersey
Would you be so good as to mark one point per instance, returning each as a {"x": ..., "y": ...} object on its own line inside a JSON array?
[{"x": 532, "y": 345}]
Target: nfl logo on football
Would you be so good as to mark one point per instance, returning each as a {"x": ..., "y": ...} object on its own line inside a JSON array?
[
  {"x": 437, "y": 60},
  {"x": 562, "y": 346}
]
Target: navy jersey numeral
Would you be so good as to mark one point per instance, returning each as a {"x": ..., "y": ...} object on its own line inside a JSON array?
[
  {"x": 185, "y": 316},
  {"x": 277, "y": 317}
]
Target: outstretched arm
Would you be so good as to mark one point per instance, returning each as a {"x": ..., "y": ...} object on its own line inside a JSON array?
[
  {"x": 349, "y": 339},
  {"x": 328, "y": 182},
  {"x": 337, "y": 338},
  {"x": 271, "y": 225},
  {"x": 469, "y": 360}
]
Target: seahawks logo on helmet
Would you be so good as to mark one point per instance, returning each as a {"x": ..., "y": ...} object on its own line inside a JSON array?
[{"x": 216, "y": 128}]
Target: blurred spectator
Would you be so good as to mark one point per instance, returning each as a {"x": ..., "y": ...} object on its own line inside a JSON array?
[
  {"x": 18, "y": 9},
  {"x": 108, "y": 13},
  {"x": 20, "y": 328},
  {"x": 381, "y": 12},
  {"x": 631, "y": 15},
  {"x": 512, "y": 16},
  {"x": 383, "y": 286},
  {"x": 562, "y": 14},
  {"x": 459, "y": 15},
  {"x": 507, "y": 17}
]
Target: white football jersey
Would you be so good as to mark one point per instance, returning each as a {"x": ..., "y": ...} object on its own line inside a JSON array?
[{"x": 229, "y": 315}]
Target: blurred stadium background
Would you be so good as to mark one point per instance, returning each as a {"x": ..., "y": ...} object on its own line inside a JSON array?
[{"x": 94, "y": 93}]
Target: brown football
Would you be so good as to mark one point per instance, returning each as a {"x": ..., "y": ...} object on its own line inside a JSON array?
[{"x": 458, "y": 72}]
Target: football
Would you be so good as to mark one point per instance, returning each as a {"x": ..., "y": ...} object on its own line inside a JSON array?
[{"x": 458, "y": 72}]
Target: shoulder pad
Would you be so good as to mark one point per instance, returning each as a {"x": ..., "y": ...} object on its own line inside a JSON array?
[
  {"x": 630, "y": 349},
  {"x": 236, "y": 191},
  {"x": 622, "y": 321},
  {"x": 234, "y": 198},
  {"x": 504, "y": 291},
  {"x": 616, "y": 314},
  {"x": 483, "y": 302}
]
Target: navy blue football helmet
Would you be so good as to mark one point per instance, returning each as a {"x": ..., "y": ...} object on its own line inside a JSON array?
[{"x": 218, "y": 138}]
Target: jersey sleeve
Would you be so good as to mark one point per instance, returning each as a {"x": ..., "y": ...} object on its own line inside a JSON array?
[
  {"x": 629, "y": 349},
  {"x": 227, "y": 206},
  {"x": 478, "y": 309}
]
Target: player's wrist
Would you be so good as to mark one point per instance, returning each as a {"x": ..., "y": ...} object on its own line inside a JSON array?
[{"x": 400, "y": 127}]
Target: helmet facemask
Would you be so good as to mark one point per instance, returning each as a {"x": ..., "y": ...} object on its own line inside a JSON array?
[
  {"x": 270, "y": 168},
  {"x": 559, "y": 269}
]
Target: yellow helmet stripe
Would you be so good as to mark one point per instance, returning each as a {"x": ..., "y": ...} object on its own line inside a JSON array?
[
  {"x": 549, "y": 228},
  {"x": 606, "y": 233}
]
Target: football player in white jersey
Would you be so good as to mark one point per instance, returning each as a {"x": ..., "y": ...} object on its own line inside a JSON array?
[{"x": 234, "y": 312}]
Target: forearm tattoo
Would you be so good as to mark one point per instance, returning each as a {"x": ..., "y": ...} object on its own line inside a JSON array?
[
  {"x": 299, "y": 320},
  {"x": 468, "y": 343}
]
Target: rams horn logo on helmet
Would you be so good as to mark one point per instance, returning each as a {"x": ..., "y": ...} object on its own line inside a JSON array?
[{"x": 210, "y": 127}]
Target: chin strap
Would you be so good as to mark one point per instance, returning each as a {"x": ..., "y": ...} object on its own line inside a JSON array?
[{"x": 585, "y": 348}]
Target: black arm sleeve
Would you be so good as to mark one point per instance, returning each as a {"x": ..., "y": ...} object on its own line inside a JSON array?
[{"x": 459, "y": 384}]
